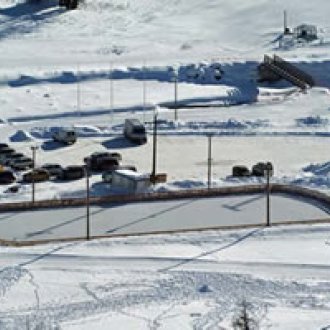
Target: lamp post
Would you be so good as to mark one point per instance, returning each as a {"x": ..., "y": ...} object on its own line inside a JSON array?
[
  {"x": 154, "y": 147},
  {"x": 175, "y": 78},
  {"x": 34, "y": 149},
  {"x": 111, "y": 94},
  {"x": 176, "y": 95},
  {"x": 268, "y": 173},
  {"x": 78, "y": 91},
  {"x": 87, "y": 203},
  {"x": 209, "y": 160},
  {"x": 144, "y": 91}
]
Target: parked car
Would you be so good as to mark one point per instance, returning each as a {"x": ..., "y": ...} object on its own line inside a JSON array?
[
  {"x": 36, "y": 175},
  {"x": 7, "y": 177},
  {"x": 65, "y": 135},
  {"x": 73, "y": 172},
  {"x": 6, "y": 157},
  {"x": 107, "y": 175},
  {"x": 4, "y": 145},
  {"x": 4, "y": 152},
  {"x": 240, "y": 171},
  {"x": 135, "y": 131},
  {"x": 101, "y": 154},
  {"x": 21, "y": 164},
  {"x": 54, "y": 170},
  {"x": 260, "y": 168},
  {"x": 11, "y": 157},
  {"x": 101, "y": 161}
]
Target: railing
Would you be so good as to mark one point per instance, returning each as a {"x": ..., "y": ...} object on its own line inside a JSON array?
[{"x": 288, "y": 71}]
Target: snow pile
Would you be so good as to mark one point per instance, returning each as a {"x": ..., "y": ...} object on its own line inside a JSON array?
[
  {"x": 197, "y": 126},
  {"x": 318, "y": 169},
  {"x": 315, "y": 175},
  {"x": 313, "y": 121},
  {"x": 21, "y": 136}
]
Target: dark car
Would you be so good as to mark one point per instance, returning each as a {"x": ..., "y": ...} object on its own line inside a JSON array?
[
  {"x": 4, "y": 153},
  {"x": 73, "y": 172},
  {"x": 260, "y": 169},
  {"x": 36, "y": 175},
  {"x": 101, "y": 161},
  {"x": 11, "y": 157},
  {"x": 21, "y": 164},
  {"x": 7, "y": 177},
  {"x": 107, "y": 175},
  {"x": 95, "y": 156},
  {"x": 54, "y": 170},
  {"x": 4, "y": 145},
  {"x": 240, "y": 171},
  {"x": 6, "y": 150}
]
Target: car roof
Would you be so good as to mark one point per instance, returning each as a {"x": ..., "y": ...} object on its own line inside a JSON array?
[
  {"x": 51, "y": 165},
  {"x": 75, "y": 167},
  {"x": 6, "y": 172}
]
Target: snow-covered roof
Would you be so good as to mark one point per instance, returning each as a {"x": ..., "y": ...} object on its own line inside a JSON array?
[{"x": 132, "y": 174}]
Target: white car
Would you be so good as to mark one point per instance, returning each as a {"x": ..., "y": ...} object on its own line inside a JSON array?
[{"x": 65, "y": 135}]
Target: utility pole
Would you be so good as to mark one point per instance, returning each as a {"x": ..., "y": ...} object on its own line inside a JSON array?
[
  {"x": 78, "y": 90},
  {"x": 34, "y": 149},
  {"x": 269, "y": 169},
  {"x": 111, "y": 91},
  {"x": 209, "y": 160},
  {"x": 144, "y": 91},
  {"x": 176, "y": 95},
  {"x": 87, "y": 203},
  {"x": 154, "y": 149},
  {"x": 285, "y": 23}
]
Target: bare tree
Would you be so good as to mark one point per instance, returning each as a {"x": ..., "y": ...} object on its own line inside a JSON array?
[{"x": 245, "y": 319}]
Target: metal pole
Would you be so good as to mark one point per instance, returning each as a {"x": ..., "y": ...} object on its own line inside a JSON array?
[
  {"x": 176, "y": 97},
  {"x": 209, "y": 161},
  {"x": 78, "y": 90},
  {"x": 268, "y": 197},
  {"x": 87, "y": 204},
  {"x": 144, "y": 91},
  {"x": 111, "y": 91},
  {"x": 33, "y": 148},
  {"x": 154, "y": 150}
]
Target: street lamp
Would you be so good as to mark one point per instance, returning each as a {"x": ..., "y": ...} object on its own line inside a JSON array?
[
  {"x": 87, "y": 203},
  {"x": 144, "y": 90},
  {"x": 154, "y": 147},
  {"x": 209, "y": 160},
  {"x": 268, "y": 173},
  {"x": 175, "y": 77},
  {"x": 34, "y": 149}
]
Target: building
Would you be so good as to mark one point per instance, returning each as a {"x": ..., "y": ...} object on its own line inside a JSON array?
[
  {"x": 306, "y": 32},
  {"x": 130, "y": 181}
]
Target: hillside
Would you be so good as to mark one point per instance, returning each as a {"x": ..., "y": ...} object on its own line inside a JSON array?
[{"x": 126, "y": 30}]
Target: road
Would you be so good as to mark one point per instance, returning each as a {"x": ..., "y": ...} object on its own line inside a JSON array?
[{"x": 147, "y": 217}]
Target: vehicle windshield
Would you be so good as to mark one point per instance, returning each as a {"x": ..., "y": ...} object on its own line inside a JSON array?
[{"x": 139, "y": 130}]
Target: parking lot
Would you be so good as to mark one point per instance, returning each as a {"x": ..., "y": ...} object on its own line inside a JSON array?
[{"x": 182, "y": 158}]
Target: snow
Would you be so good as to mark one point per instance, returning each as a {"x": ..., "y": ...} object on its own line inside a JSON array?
[
  {"x": 111, "y": 59},
  {"x": 193, "y": 280}
]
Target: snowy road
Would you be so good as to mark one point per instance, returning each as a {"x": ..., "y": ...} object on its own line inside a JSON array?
[{"x": 148, "y": 217}]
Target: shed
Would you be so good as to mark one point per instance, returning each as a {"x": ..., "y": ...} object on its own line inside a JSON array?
[
  {"x": 130, "y": 181},
  {"x": 307, "y": 32}
]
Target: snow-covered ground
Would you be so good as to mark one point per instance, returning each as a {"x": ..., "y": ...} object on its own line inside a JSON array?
[
  {"x": 181, "y": 281},
  {"x": 113, "y": 59}
]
